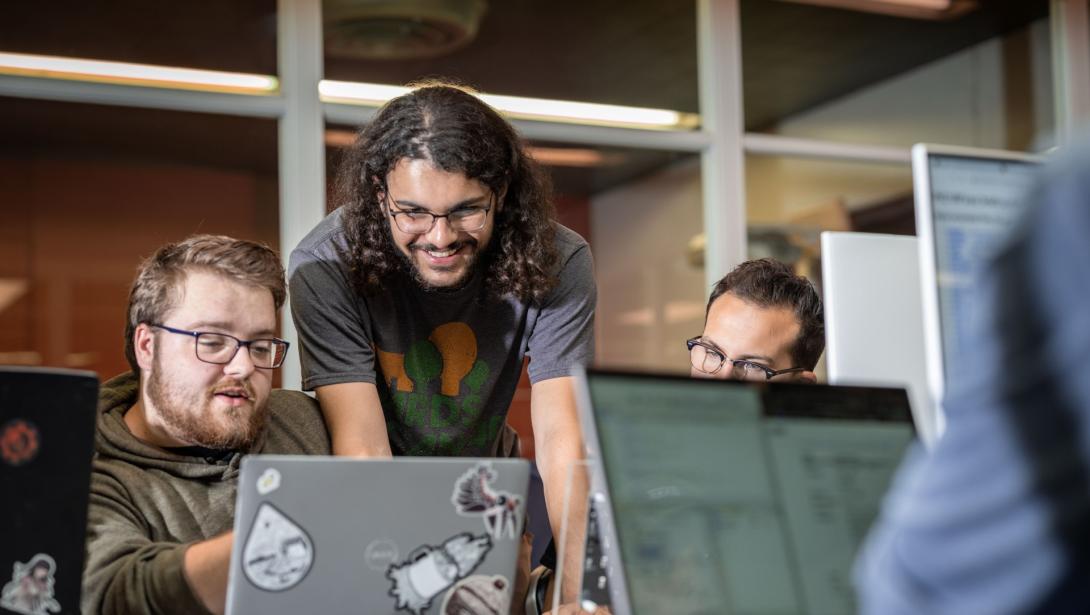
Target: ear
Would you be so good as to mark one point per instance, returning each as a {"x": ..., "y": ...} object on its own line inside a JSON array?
[
  {"x": 143, "y": 341},
  {"x": 500, "y": 198},
  {"x": 806, "y": 377}
]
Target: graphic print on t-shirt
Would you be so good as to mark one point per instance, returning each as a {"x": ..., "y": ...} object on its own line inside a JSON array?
[{"x": 435, "y": 392}]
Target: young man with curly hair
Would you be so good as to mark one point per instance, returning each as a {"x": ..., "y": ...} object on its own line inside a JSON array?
[{"x": 442, "y": 269}]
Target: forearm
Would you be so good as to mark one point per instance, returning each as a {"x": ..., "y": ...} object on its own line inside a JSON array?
[
  {"x": 559, "y": 450},
  {"x": 354, "y": 416},
  {"x": 147, "y": 579},
  {"x": 565, "y": 479},
  {"x": 205, "y": 566}
]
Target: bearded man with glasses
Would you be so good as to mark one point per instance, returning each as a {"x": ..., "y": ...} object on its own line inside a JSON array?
[
  {"x": 201, "y": 340},
  {"x": 763, "y": 323}
]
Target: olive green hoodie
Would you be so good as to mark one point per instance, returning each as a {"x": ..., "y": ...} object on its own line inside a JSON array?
[{"x": 148, "y": 505}]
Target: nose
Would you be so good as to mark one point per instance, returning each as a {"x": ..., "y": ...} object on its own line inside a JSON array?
[
  {"x": 441, "y": 234},
  {"x": 241, "y": 365}
]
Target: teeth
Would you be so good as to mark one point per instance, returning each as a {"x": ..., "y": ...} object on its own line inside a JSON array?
[{"x": 441, "y": 254}]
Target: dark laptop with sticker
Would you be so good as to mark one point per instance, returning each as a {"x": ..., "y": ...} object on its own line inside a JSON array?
[
  {"x": 716, "y": 496},
  {"x": 47, "y": 426},
  {"x": 409, "y": 535}
]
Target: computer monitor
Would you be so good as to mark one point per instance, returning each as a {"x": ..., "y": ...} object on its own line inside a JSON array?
[
  {"x": 720, "y": 496},
  {"x": 967, "y": 201},
  {"x": 874, "y": 318}
]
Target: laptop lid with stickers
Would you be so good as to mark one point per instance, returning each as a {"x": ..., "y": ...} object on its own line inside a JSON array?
[
  {"x": 408, "y": 535},
  {"x": 718, "y": 496},
  {"x": 47, "y": 426}
]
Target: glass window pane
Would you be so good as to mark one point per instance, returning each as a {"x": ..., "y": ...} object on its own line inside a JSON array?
[
  {"x": 208, "y": 34},
  {"x": 641, "y": 53},
  {"x": 89, "y": 191},
  {"x": 981, "y": 79}
]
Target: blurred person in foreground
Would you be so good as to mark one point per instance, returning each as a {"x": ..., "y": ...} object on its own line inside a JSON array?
[{"x": 997, "y": 518}]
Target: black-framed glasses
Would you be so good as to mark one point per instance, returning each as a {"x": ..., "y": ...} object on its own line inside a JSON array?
[
  {"x": 709, "y": 359},
  {"x": 220, "y": 348},
  {"x": 419, "y": 221}
]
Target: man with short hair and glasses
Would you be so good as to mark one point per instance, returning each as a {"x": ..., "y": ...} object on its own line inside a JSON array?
[
  {"x": 201, "y": 340},
  {"x": 764, "y": 323},
  {"x": 442, "y": 269}
]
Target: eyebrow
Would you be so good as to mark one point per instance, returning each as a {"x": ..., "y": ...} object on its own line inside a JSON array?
[
  {"x": 744, "y": 357},
  {"x": 405, "y": 204}
]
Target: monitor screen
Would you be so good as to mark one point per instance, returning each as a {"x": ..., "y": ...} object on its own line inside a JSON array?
[
  {"x": 975, "y": 202},
  {"x": 733, "y": 498}
]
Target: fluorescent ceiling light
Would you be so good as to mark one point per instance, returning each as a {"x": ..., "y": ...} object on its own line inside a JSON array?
[
  {"x": 920, "y": 9},
  {"x": 572, "y": 156},
  {"x": 126, "y": 73},
  {"x": 372, "y": 94}
]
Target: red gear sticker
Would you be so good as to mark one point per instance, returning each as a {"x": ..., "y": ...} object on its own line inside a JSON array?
[{"x": 19, "y": 442}]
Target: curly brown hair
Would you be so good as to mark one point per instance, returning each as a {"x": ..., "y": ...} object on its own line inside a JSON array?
[{"x": 457, "y": 132}]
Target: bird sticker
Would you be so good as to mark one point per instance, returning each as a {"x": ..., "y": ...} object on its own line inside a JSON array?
[{"x": 474, "y": 495}]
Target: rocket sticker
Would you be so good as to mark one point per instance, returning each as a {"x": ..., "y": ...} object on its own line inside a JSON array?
[
  {"x": 474, "y": 495},
  {"x": 431, "y": 570},
  {"x": 278, "y": 553}
]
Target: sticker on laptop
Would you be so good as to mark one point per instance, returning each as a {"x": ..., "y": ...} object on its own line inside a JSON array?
[
  {"x": 269, "y": 481},
  {"x": 380, "y": 554},
  {"x": 278, "y": 553},
  {"x": 474, "y": 496},
  {"x": 19, "y": 442},
  {"x": 431, "y": 570},
  {"x": 30, "y": 590},
  {"x": 478, "y": 595}
]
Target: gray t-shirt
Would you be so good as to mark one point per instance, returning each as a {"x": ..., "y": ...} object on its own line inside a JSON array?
[{"x": 446, "y": 363}]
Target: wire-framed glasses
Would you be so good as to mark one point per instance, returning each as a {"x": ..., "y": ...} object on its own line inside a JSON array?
[
  {"x": 220, "y": 348},
  {"x": 710, "y": 360},
  {"x": 464, "y": 219}
]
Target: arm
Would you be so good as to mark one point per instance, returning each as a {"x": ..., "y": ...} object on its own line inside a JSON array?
[
  {"x": 353, "y": 413},
  {"x": 559, "y": 446},
  {"x": 128, "y": 572},
  {"x": 337, "y": 353},
  {"x": 206, "y": 564}
]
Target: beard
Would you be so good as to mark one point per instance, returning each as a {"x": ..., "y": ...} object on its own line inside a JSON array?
[
  {"x": 472, "y": 266},
  {"x": 188, "y": 415}
]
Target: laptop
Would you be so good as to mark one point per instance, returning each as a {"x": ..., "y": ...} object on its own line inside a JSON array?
[
  {"x": 47, "y": 427},
  {"x": 874, "y": 318},
  {"x": 715, "y": 496},
  {"x": 419, "y": 535}
]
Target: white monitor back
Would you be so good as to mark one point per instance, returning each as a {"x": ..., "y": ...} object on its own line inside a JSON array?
[{"x": 874, "y": 318}]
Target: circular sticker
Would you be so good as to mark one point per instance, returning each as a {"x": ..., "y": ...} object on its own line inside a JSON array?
[
  {"x": 19, "y": 442},
  {"x": 380, "y": 554}
]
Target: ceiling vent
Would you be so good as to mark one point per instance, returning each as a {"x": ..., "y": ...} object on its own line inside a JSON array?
[{"x": 399, "y": 29}]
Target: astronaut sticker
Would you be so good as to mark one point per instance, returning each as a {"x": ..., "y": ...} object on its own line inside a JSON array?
[
  {"x": 278, "y": 553},
  {"x": 473, "y": 495},
  {"x": 430, "y": 570},
  {"x": 30, "y": 590},
  {"x": 478, "y": 595}
]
